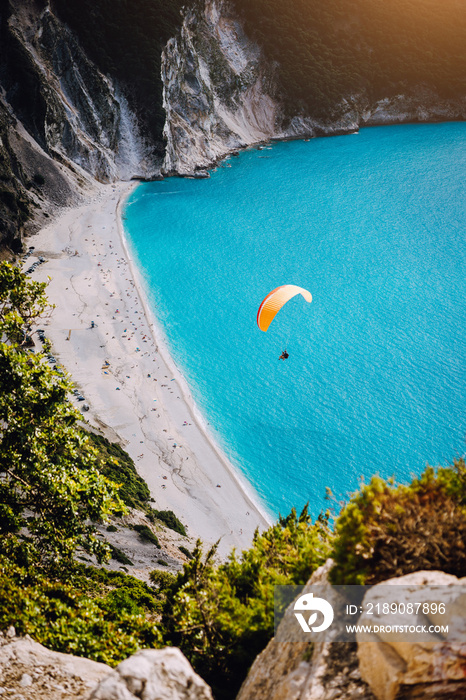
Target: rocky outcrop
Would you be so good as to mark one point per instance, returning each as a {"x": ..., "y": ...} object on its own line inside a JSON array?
[
  {"x": 291, "y": 668},
  {"x": 377, "y": 667},
  {"x": 30, "y": 671},
  {"x": 218, "y": 92},
  {"x": 434, "y": 668},
  {"x": 422, "y": 105},
  {"x": 153, "y": 674},
  {"x": 74, "y": 112}
]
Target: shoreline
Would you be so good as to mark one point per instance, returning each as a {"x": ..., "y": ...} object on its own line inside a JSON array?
[
  {"x": 164, "y": 352},
  {"x": 140, "y": 398}
]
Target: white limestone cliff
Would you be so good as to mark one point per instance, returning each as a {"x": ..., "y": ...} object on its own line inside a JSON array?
[
  {"x": 220, "y": 94},
  {"x": 76, "y": 115},
  {"x": 218, "y": 91}
]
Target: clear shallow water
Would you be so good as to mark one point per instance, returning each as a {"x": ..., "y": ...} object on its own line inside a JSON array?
[{"x": 374, "y": 226}]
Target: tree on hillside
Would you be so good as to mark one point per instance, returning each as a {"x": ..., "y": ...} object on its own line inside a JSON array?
[
  {"x": 51, "y": 490},
  {"x": 222, "y": 616}
]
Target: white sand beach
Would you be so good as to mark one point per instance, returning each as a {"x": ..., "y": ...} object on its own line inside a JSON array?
[{"x": 133, "y": 389}]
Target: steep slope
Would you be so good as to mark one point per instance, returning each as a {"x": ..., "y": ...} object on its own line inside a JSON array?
[
  {"x": 218, "y": 91},
  {"x": 221, "y": 92},
  {"x": 62, "y": 122}
]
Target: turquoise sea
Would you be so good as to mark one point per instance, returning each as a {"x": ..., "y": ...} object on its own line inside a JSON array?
[{"x": 373, "y": 225}]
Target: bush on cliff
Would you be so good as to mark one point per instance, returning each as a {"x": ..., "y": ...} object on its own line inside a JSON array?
[
  {"x": 117, "y": 466},
  {"x": 104, "y": 616},
  {"x": 222, "y": 616},
  {"x": 387, "y": 530}
]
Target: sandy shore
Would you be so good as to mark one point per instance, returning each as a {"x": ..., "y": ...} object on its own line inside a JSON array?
[{"x": 134, "y": 391}]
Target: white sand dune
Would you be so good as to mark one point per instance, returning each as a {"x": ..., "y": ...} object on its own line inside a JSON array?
[{"x": 139, "y": 397}]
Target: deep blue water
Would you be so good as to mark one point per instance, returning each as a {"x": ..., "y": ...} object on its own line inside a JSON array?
[{"x": 374, "y": 226}]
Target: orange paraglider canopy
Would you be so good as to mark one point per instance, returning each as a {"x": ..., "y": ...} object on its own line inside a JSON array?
[{"x": 274, "y": 301}]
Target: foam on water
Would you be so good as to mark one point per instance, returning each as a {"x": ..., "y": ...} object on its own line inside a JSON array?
[{"x": 374, "y": 226}]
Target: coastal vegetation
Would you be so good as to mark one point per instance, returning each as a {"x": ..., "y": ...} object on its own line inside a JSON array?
[
  {"x": 51, "y": 489},
  {"x": 57, "y": 482},
  {"x": 222, "y": 615},
  {"x": 389, "y": 530},
  {"x": 117, "y": 466}
]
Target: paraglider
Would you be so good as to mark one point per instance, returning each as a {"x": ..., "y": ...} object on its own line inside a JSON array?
[
  {"x": 272, "y": 304},
  {"x": 274, "y": 301}
]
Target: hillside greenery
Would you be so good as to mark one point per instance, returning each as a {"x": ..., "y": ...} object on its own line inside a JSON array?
[
  {"x": 105, "y": 616},
  {"x": 51, "y": 490},
  {"x": 117, "y": 466},
  {"x": 222, "y": 615},
  {"x": 327, "y": 50}
]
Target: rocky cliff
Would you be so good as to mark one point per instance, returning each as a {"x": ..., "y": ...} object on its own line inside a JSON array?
[
  {"x": 63, "y": 123},
  {"x": 221, "y": 94},
  {"x": 374, "y": 667}
]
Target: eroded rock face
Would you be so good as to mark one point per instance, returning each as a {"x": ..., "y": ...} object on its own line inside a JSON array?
[
  {"x": 218, "y": 92},
  {"x": 153, "y": 674},
  {"x": 63, "y": 124},
  {"x": 382, "y": 667},
  {"x": 74, "y": 112},
  {"x": 433, "y": 668},
  {"x": 292, "y": 669}
]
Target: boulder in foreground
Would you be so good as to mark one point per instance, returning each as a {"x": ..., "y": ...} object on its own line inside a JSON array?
[{"x": 153, "y": 674}]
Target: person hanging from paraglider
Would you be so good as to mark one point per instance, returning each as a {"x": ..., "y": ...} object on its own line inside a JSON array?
[{"x": 272, "y": 304}]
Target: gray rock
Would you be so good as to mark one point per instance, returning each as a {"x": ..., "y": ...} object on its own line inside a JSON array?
[
  {"x": 153, "y": 674},
  {"x": 36, "y": 673}
]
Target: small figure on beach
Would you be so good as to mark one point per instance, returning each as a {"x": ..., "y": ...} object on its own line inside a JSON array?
[{"x": 284, "y": 355}]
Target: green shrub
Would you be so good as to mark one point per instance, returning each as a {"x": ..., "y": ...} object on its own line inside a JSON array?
[
  {"x": 222, "y": 616},
  {"x": 162, "y": 562},
  {"x": 162, "y": 580},
  {"x": 117, "y": 465},
  {"x": 105, "y": 628},
  {"x": 146, "y": 534},
  {"x": 119, "y": 556},
  {"x": 185, "y": 551},
  {"x": 387, "y": 530},
  {"x": 168, "y": 518}
]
